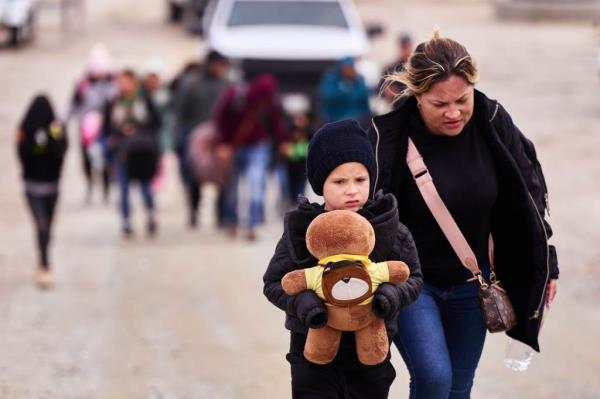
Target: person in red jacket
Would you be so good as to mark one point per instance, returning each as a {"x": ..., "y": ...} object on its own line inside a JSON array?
[{"x": 249, "y": 120}]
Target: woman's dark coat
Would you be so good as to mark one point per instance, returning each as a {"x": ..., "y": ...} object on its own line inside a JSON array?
[{"x": 524, "y": 261}]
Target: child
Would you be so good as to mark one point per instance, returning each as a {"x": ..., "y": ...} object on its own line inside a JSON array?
[
  {"x": 296, "y": 156},
  {"x": 341, "y": 167}
]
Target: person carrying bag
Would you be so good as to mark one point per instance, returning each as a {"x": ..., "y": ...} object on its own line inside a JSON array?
[{"x": 496, "y": 308}]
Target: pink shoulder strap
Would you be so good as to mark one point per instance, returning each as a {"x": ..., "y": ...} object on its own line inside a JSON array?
[{"x": 440, "y": 212}]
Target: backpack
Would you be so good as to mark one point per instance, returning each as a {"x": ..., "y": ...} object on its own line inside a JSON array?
[
  {"x": 141, "y": 156},
  {"x": 202, "y": 159}
]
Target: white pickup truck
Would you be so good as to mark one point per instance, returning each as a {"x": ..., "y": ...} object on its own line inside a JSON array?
[
  {"x": 17, "y": 18},
  {"x": 296, "y": 40}
]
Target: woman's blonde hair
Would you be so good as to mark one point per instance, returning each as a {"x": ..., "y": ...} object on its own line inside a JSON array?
[{"x": 433, "y": 61}]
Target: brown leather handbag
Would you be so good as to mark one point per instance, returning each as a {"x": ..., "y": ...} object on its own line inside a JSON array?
[{"x": 496, "y": 308}]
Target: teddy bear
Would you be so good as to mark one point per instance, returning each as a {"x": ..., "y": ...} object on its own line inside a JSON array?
[{"x": 346, "y": 279}]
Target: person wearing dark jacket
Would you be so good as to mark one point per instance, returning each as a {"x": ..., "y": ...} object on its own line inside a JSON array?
[
  {"x": 487, "y": 174},
  {"x": 390, "y": 91},
  {"x": 131, "y": 127},
  {"x": 195, "y": 104},
  {"x": 343, "y": 93},
  {"x": 41, "y": 145},
  {"x": 341, "y": 167}
]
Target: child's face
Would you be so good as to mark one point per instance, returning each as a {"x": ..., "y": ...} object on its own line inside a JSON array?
[{"x": 346, "y": 187}]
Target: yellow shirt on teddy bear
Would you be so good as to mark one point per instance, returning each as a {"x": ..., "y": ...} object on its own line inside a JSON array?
[{"x": 378, "y": 272}]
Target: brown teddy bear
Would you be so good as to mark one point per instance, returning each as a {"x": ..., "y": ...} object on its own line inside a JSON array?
[{"x": 346, "y": 279}]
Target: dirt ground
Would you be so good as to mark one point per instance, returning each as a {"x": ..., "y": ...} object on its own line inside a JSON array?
[{"x": 183, "y": 316}]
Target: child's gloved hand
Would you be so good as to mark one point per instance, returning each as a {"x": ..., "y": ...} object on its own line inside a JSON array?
[
  {"x": 386, "y": 301},
  {"x": 310, "y": 309},
  {"x": 315, "y": 318}
]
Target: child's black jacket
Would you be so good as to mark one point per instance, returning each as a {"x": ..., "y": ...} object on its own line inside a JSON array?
[{"x": 393, "y": 242}]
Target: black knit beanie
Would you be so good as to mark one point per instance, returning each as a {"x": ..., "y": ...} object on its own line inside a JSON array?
[{"x": 334, "y": 144}]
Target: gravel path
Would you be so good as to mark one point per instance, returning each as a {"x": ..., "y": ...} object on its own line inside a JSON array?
[{"x": 183, "y": 316}]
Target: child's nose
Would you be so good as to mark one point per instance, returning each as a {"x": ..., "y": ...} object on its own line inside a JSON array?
[{"x": 352, "y": 189}]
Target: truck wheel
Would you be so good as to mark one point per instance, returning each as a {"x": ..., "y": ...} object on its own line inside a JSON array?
[
  {"x": 14, "y": 36},
  {"x": 175, "y": 12}
]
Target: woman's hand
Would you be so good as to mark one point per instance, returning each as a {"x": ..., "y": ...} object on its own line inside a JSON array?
[{"x": 551, "y": 292}]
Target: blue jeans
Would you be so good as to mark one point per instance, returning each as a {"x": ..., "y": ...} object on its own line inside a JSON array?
[
  {"x": 145, "y": 187},
  {"x": 252, "y": 162},
  {"x": 441, "y": 337},
  {"x": 181, "y": 149}
]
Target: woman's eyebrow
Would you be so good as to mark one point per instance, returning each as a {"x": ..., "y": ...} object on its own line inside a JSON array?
[
  {"x": 436, "y": 101},
  {"x": 442, "y": 102}
]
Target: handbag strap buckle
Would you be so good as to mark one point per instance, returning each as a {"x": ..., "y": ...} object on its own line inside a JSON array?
[
  {"x": 480, "y": 279},
  {"x": 493, "y": 278}
]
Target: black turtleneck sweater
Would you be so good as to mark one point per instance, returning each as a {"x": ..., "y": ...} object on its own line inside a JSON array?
[{"x": 463, "y": 172}]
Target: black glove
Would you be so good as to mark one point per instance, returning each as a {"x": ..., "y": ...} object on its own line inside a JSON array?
[
  {"x": 310, "y": 309},
  {"x": 315, "y": 318},
  {"x": 382, "y": 306},
  {"x": 386, "y": 301}
]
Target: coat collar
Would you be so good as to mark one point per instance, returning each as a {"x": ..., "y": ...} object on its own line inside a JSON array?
[{"x": 381, "y": 212}]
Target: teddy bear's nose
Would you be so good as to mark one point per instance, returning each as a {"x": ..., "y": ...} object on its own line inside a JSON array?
[{"x": 346, "y": 280}]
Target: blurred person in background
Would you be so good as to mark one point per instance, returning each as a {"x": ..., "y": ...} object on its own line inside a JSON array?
[
  {"x": 41, "y": 145},
  {"x": 131, "y": 126},
  {"x": 176, "y": 90},
  {"x": 294, "y": 153},
  {"x": 177, "y": 82},
  {"x": 152, "y": 83},
  {"x": 289, "y": 160},
  {"x": 343, "y": 94},
  {"x": 92, "y": 92},
  {"x": 405, "y": 48},
  {"x": 197, "y": 96},
  {"x": 488, "y": 175},
  {"x": 249, "y": 121}
]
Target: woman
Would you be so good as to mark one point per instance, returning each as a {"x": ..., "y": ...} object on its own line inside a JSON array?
[
  {"x": 95, "y": 88},
  {"x": 130, "y": 129},
  {"x": 488, "y": 177},
  {"x": 41, "y": 144}
]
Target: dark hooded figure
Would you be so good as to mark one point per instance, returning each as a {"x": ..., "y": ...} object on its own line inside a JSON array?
[{"x": 41, "y": 145}]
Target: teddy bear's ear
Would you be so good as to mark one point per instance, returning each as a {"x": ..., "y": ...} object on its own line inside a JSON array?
[{"x": 340, "y": 231}]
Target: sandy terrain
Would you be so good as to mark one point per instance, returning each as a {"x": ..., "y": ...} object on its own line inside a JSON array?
[{"x": 183, "y": 316}]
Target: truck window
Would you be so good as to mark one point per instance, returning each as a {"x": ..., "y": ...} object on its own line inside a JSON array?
[{"x": 312, "y": 13}]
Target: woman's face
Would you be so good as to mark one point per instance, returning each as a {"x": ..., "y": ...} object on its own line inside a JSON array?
[{"x": 447, "y": 106}]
